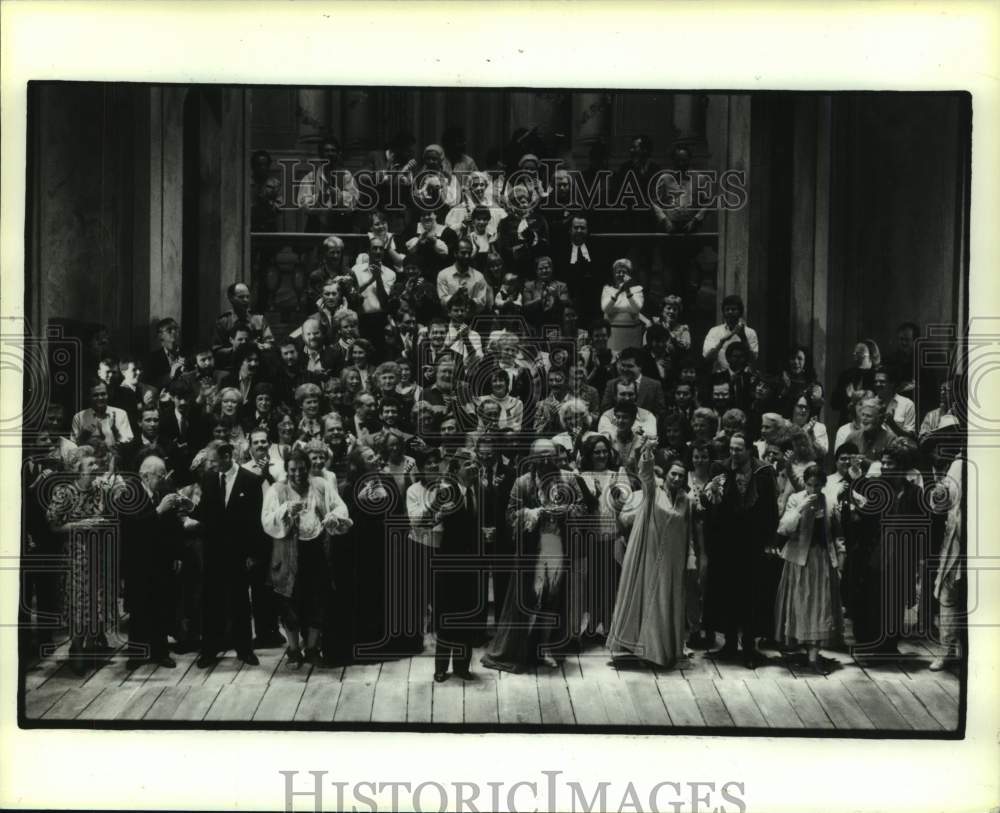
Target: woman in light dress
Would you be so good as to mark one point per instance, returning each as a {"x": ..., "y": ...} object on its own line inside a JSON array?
[
  {"x": 622, "y": 303},
  {"x": 649, "y": 618}
]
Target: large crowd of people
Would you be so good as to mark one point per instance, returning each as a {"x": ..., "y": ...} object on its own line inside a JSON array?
[{"x": 490, "y": 431}]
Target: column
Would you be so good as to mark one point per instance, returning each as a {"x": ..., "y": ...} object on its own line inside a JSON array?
[
  {"x": 357, "y": 125},
  {"x": 591, "y": 123},
  {"x": 312, "y": 112},
  {"x": 734, "y": 225},
  {"x": 689, "y": 121}
]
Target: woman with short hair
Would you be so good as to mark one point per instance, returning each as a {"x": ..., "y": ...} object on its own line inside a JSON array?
[
  {"x": 74, "y": 507},
  {"x": 622, "y": 303}
]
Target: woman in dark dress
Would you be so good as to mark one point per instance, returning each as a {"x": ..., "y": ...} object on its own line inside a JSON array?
[{"x": 383, "y": 627}]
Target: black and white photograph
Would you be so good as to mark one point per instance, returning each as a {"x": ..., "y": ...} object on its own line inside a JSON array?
[
  {"x": 483, "y": 408},
  {"x": 499, "y": 407}
]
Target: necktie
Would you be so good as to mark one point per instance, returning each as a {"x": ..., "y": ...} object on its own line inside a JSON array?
[
  {"x": 383, "y": 298},
  {"x": 222, "y": 486}
]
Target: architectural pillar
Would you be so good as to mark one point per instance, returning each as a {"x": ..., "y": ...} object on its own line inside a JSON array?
[
  {"x": 591, "y": 123},
  {"x": 358, "y": 114},
  {"x": 689, "y": 121},
  {"x": 160, "y": 187},
  {"x": 312, "y": 112},
  {"x": 734, "y": 225}
]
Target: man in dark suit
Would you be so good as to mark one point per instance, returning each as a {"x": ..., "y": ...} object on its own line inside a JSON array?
[
  {"x": 456, "y": 582},
  {"x": 497, "y": 479},
  {"x": 166, "y": 362},
  {"x": 649, "y": 392},
  {"x": 152, "y": 535},
  {"x": 229, "y": 511}
]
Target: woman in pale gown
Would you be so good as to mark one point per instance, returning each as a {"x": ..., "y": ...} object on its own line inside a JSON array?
[{"x": 649, "y": 618}]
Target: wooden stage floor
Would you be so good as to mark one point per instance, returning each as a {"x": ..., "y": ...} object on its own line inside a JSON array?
[{"x": 868, "y": 696}]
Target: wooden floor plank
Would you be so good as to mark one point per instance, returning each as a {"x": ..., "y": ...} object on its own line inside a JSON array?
[
  {"x": 481, "y": 702},
  {"x": 164, "y": 677},
  {"x": 950, "y": 683},
  {"x": 448, "y": 703},
  {"x": 166, "y": 704},
  {"x": 740, "y": 704},
  {"x": 279, "y": 702},
  {"x": 390, "y": 701},
  {"x": 270, "y": 662},
  {"x": 937, "y": 701},
  {"x": 225, "y": 671},
  {"x": 713, "y": 710},
  {"x": 839, "y": 705},
  {"x": 37, "y": 674},
  {"x": 135, "y": 678},
  {"x": 319, "y": 702},
  {"x": 906, "y": 703},
  {"x": 419, "y": 700},
  {"x": 196, "y": 703},
  {"x": 806, "y": 706},
  {"x": 355, "y": 704},
  {"x": 362, "y": 673},
  {"x": 140, "y": 702},
  {"x": 111, "y": 702},
  {"x": 111, "y": 673},
  {"x": 588, "y": 704},
  {"x": 71, "y": 704},
  {"x": 877, "y": 706},
  {"x": 400, "y": 669},
  {"x": 554, "y": 701},
  {"x": 40, "y": 700},
  {"x": 618, "y": 702},
  {"x": 773, "y": 705},
  {"x": 680, "y": 703},
  {"x": 648, "y": 703},
  {"x": 236, "y": 703},
  {"x": 518, "y": 700}
]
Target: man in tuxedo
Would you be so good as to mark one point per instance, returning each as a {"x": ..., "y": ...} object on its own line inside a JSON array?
[
  {"x": 649, "y": 392},
  {"x": 581, "y": 268},
  {"x": 152, "y": 534},
  {"x": 181, "y": 428},
  {"x": 457, "y": 595},
  {"x": 265, "y": 612},
  {"x": 497, "y": 479},
  {"x": 166, "y": 362},
  {"x": 229, "y": 511}
]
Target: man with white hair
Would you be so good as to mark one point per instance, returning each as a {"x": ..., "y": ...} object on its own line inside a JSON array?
[
  {"x": 152, "y": 536},
  {"x": 534, "y": 612}
]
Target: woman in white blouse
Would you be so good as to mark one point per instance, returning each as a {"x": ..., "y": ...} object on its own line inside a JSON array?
[
  {"x": 511, "y": 408},
  {"x": 806, "y": 415},
  {"x": 298, "y": 515},
  {"x": 621, "y": 304}
]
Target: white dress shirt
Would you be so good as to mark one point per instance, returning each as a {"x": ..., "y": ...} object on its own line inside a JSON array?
[{"x": 369, "y": 297}]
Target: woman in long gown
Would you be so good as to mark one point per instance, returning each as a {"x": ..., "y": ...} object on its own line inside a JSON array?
[
  {"x": 807, "y": 612},
  {"x": 649, "y": 618},
  {"x": 595, "y": 597}
]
